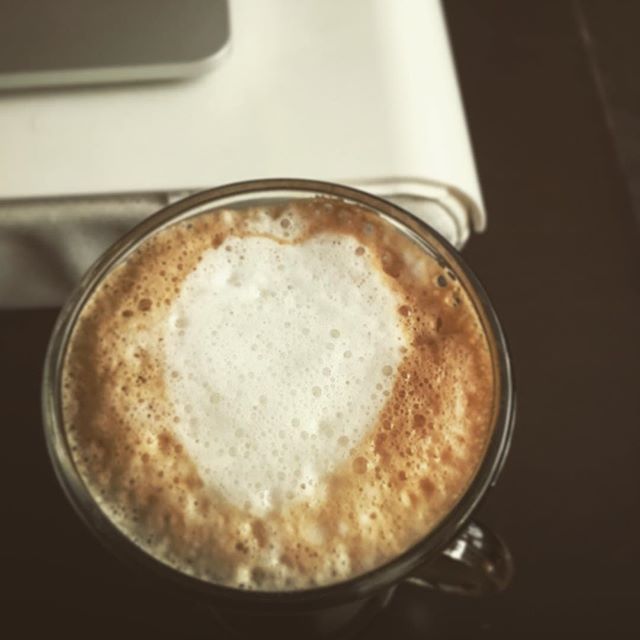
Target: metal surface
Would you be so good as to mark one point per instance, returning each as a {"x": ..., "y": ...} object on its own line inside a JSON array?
[{"x": 71, "y": 42}]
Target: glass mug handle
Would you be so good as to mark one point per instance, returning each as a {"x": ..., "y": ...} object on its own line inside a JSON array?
[{"x": 475, "y": 563}]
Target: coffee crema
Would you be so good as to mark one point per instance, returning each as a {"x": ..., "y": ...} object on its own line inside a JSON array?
[{"x": 278, "y": 397}]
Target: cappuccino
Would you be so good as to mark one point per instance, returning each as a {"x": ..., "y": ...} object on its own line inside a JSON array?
[{"x": 279, "y": 397}]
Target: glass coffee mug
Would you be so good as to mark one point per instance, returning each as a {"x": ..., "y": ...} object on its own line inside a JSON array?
[{"x": 457, "y": 556}]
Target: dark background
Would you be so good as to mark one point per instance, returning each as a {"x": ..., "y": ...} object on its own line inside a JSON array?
[{"x": 552, "y": 92}]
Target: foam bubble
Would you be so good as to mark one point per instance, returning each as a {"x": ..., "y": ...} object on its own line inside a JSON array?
[{"x": 240, "y": 313}]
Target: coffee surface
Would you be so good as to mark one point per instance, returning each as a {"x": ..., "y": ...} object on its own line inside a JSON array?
[{"x": 279, "y": 397}]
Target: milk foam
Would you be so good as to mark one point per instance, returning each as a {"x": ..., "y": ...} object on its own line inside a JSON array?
[
  {"x": 278, "y": 397},
  {"x": 280, "y": 358}
]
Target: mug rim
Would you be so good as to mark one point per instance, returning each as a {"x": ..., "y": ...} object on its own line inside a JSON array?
[{"x": 359, "y": 586}]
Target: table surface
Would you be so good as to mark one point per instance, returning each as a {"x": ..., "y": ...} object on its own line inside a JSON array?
[{"x": 560, "y": 262}]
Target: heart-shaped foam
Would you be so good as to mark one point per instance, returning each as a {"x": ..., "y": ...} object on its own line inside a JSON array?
[{"x": 279, "y": 360}]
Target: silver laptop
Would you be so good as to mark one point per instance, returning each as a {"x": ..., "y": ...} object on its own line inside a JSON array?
[{"x": 46, "y": 43}]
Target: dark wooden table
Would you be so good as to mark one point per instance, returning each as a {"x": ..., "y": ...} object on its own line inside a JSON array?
[{"x": 560, "y": 261}]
